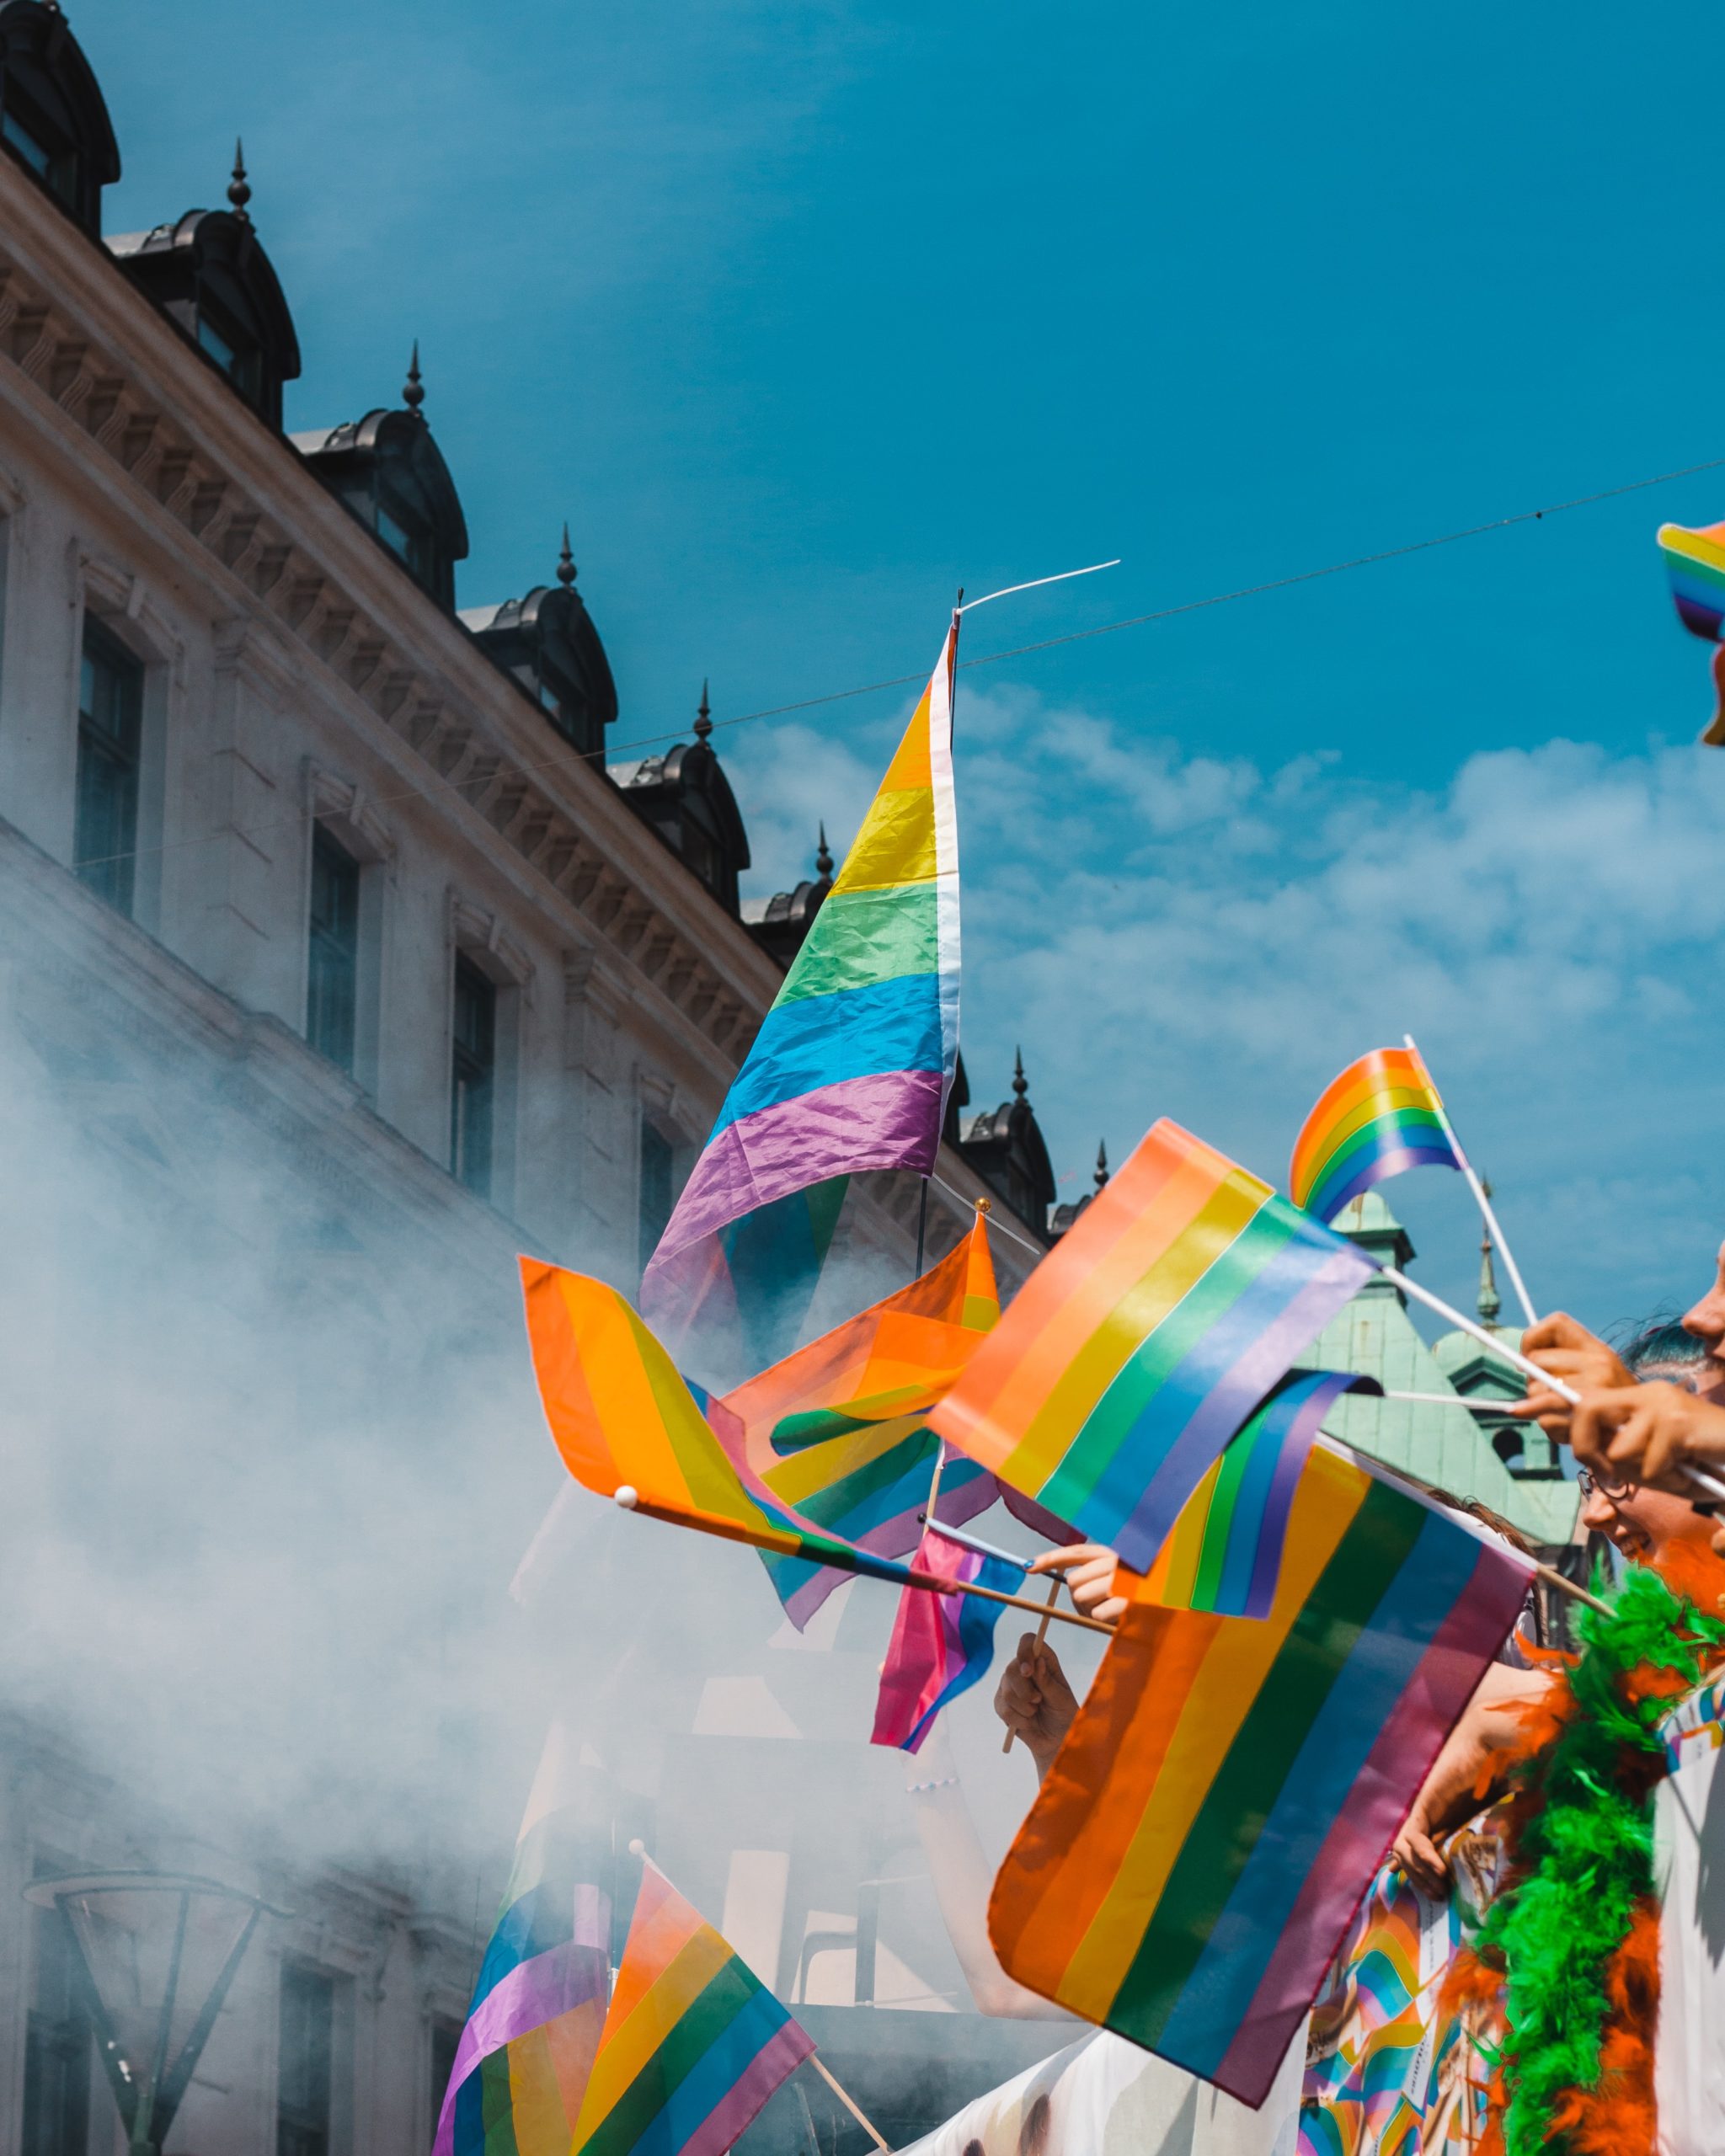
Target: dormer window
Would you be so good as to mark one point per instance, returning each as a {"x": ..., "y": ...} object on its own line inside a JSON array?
[
  {"x": 390, "y": 473},
  {"x": 208, "y": 274},
  {"x": 53, "y": 163},
  {"x": 238, "y": 357},
  {"x": 547, "y": 642},
  {"x": 52, "y": 118}
]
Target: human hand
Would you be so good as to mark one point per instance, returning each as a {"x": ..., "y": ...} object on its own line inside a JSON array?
[
  {"x": 1418, "y": 1854},
  {"x": 1650, "y": 1435},
  {"x": 1089, "y": 1569},
  {"x": 1565, "y": 1348},
  {"x": 1034, "y": 1700}
]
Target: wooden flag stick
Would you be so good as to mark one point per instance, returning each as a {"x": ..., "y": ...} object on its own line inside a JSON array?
[
  {"x": 1481, "y": 1200},
  {"x": 849, "y": 2103},
  {"x": 630, "y": 1500},
  {"x": 1053, "y": 1594}
]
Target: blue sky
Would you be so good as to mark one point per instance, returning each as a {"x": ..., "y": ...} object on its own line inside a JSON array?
[{"x": 805, "y": 314}]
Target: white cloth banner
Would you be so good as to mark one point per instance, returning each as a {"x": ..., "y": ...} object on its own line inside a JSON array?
[
  {"x": 1689, "y": 1822},
  {"x": 1104, "y": 2097}
]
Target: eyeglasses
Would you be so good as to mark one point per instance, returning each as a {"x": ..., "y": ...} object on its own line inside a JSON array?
[{"x": 1587, "y": 1482}]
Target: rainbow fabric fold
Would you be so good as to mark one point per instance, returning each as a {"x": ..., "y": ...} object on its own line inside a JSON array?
[
  {"x": 532, "y": 2030},
  {"x": 1695, "y": 562},
  {"x": 1144, "y": 1339},
  {"x": 942, "y": 1644},
  {"x": 1230, "y": 1785},
  {"x": 623, "y": 1417},
  {"x": 694, "y": 2042},
  {"x": 1226, "y": 1552},
  {"x": 853, "y": 1063},
  {"x": 1381, "y": 1115},
  {"x": 839, "y": 1430}
]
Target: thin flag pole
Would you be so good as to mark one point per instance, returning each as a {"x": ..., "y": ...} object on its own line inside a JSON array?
[
  {"x": 1036, "y": 584},
  {"x": 850, "y": 2103},
  {"x": 1481, "y": 1197},
  {"x": 1053, "y": 1595},
  {"x": 1699, "y": 1475}
]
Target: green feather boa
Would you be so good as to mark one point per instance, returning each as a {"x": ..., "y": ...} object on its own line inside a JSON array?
[{"x": 1584, "y": 1852}]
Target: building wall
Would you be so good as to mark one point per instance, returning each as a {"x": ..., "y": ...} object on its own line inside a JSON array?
[{"x": 244, "y": 1298}]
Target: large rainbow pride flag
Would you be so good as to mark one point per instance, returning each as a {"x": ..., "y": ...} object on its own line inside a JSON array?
[
  {"x": 839, "y": 1430},
  {"x": 853, "y": 1063},
  {"x": 694, "y": 2042},
  {"x": 624, "y": 1419},
  {"x": 1231, "y": 1784},
  {"x": 1226, "y": 1552},
  {"x": 1142, "y": 1343},
  {"x": 539, "y": 2005},
  {"x": 1381, "y": 1115}
]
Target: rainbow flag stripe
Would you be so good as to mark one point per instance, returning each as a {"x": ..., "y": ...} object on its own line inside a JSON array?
[
  {"x": 1231, "y": 1784},
  {"x": 942, "y": 1644},
  {"x": 533, "y": 2025},
  {"x": 1383, "y": 1114},
  {"x": 1226, "y": 1552},
  {"x": 1144, "y": 1339},
  {"x": 622, "y": 1416},
  {"x": 1695, "y": 562},
  {"x": 694, "y": 2042},
  {"x": 839, "y": 1430},
  {"x": 853, "y": 1063}
]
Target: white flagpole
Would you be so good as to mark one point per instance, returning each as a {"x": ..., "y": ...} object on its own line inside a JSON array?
[
  {"x": 1699, "y": 1475},
  {"x": 1479, "y": 1198}
]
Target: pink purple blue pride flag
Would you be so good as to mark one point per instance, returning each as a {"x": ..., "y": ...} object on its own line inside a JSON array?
[
  {"x": 853, "y": 1065},
  {"x": 942, "y": 1644}
]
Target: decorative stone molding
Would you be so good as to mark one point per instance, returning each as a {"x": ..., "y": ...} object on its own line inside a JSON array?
[
  {"x": 484, "y": 939},
  {"x": 343, "y": 808}
]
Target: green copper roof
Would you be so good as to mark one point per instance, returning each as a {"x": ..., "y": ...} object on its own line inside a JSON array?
[{"x": 1445, "y": 1445}]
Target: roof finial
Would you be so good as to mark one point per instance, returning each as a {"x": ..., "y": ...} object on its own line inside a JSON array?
[
  {"x": 1100, "y": 1178},
  {"x": 1021, "y": 1084},
  {"x": 822, "y": 859},
  {"x": 239, "y": 191},
  {"x": 413, "y": 393},
  {"x": 703, "y": 718},
  {"x": 566, "y": 560},
  {"x": 1490, "y": 1302}
]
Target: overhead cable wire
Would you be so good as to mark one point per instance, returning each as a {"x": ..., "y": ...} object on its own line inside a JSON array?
[{"x": 560, "y": 761}]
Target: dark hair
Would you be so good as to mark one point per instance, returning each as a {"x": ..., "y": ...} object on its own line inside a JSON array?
[{"x": 1664, "y": 1346}]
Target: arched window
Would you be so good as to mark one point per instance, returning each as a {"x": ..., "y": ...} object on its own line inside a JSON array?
[{"x": 53, "y": 119}]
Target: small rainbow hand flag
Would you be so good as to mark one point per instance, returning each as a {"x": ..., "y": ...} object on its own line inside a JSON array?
[
  {"x": 1142, "y": 1343},
  {"x": 1695, "y": 562},
  {"x": 839, "y": 1430},
  {"x": 624, "y": 1418},
  {"x": 942, "y": 1644},
  {"x": 521, "y": 2066},
  {"x": 694, "y": 2042},
  {"x": 1226, "y": 1552},
  {"x": 853, "y": 1063},
  {"x": 1381, "y": 1116},
  {"x": 1228, "y": 1790}
]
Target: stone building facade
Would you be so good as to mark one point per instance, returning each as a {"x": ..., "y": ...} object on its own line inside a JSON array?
[{"x": 335, "y": 968}]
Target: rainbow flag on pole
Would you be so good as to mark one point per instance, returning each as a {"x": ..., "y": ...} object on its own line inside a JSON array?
[
  {"x": 839, "y": 1430},
  {"x": 1142, "y": 1343},
  {"x": 1226, "y": 1552},
  {"x": 624, "y": 1419},
  {"x": 853, "y": 1063},
  {"x": 942, "y": 1644},
  {"x": 1383, "y": 1115},
  {"x": 1230, "y": 1785},
  {"x": 521, "y": 2066},
  {"x": 694, "y": 2042}
]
